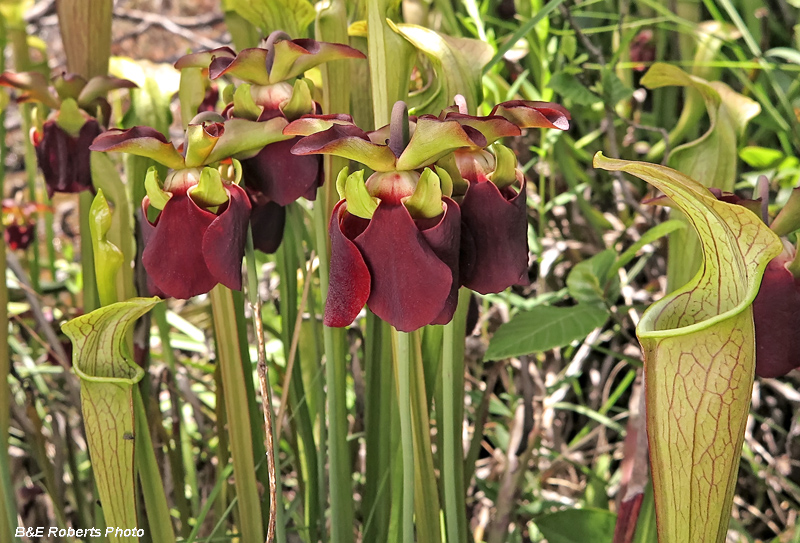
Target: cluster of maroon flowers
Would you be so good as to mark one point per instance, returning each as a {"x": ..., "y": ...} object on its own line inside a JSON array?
[{"x": 445, "y": 208}]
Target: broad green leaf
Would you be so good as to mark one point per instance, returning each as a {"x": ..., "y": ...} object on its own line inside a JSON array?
[
  {"x": 101, "y": 358},
  {"x": 578, "y": 526},
  {"x": 568, "y": 86},
  {"x": 614, "y": 89},
  {"x": 699, "y": 351},
  {"x": 544, "y": 328},
  {"x": 591, "y": 281},
  {"x": 760, "y": 158},
  {"x": 291, "y": 16}
]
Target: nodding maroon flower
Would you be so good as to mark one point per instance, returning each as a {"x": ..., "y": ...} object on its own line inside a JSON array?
[
  {"x": 271, "y": 89},
  {"x": 20, "y": 223},
  {"x": 400, "y": 263},
  {"x": 198, "y": 238},
  {"x": 494, "y": 241},
  {"x": 196, "y": 241},
  {"x": 776, "y": 314},
  {"x": 65, "y": 159},
  {"x": 80, "y": 110}
]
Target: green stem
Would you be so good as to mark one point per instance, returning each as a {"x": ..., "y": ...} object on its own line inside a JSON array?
[
  {"x": 402, "y": 359},
  {"x": 288, "y": 258},
  {"x": 452, "y": 464},
  {"x": 159, "y": 315},
  {"x": 377, "y": 429},
  {"x": 426, "y": 493},
  {"x": 339, "y": 480},
  {"x": 238, "y": 413},
  {"x": 30, "y": 174},
  {"x": 8, "y": 507},
  {"x": 91, "y": 299},
  {"x": 152, "y": 488}
]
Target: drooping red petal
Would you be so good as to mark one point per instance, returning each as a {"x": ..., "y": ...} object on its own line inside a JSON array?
[
  {"x": 267, "y": 220},
  {"x": 410, "y": 283},
  {"x": 225, "y": 238},
  {"x": 527, "y": 114},
  {"x": 173, "y": 254},
  {"x": 776, "y": 313},
  {"x": 444, "y": 239},
  {"x": 349, "y": 286},
  {"x": 64, "y": 160},
  {"x": 494, "y": 242},
  {"x": 281, "y": 176}
]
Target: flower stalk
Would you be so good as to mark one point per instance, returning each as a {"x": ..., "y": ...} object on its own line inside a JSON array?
[{"x": 238, "y": 414}]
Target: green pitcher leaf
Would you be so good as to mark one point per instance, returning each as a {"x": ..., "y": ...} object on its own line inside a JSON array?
[
  {"x": 711, "y": 159},
  {"x": 291, "y": 16},
  {"x": 101, "y": 358},
  {"x": 191, "y": 93},
  {"x": 543, "y": 328},
  {"x": 457, "y": 65},
  {"x": 699, "y": 351},
  {"x": 107, "y": 256}
]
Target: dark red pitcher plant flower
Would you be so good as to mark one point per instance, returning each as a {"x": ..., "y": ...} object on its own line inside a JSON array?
[
  {"x": 491, "y": 192},
  {"x": 195, "y": 223},
  {"x": 273, "y": 88},
  {"x": 80, "y": 111},
  {"x": 394, "y": 238}
]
